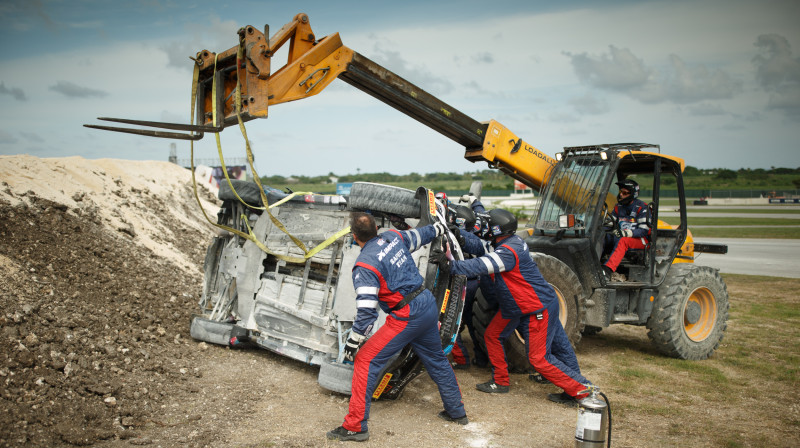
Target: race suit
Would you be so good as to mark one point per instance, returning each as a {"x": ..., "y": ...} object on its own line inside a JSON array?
[
  {"x": 383, "y": 274},
  {"x": 634, "y": 217},
  {"x": 527, "y": 304},
  {"x": 474, "y": 247}
]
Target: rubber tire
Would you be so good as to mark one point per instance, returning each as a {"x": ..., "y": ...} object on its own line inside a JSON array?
[
  {"x": 335, "y": 376},
  {"x": 516, "y": 356},
  {"x": 246, "y": 190},
  {"x": 591, "y": 331},
  {"x": 384, "y": 198},
  {"x": 566, "y": 283},
  {"x": 666, "y": 326},
  {"x": 571, "y": 298}
]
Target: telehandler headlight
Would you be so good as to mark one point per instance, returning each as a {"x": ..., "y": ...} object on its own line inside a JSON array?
[
  {"x": 559, "y": 156},
  {"x": 566, "y": 221}
]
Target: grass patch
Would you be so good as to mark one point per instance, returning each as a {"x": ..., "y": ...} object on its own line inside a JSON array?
[
  {"x": 777, "y": 211},
  {"x": 701, "y": 371},
  {"x": 775, "y": 310},
  {"x": 651, "y": 409},
  {"x": 726, "y": 400},
  {"x": 703, "y": 221},
  {"x": 632, "y": 373},
  {"x": 791, "y": 233}
]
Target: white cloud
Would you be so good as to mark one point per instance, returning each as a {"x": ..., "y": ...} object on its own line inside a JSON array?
[
  {"x": 32, "y": 137},
  {"x": 589, "y": 104},
  {"x": 17, "y": 93},
  {"x": 621, "y": 71},
  {"x": 215, "y": 35},
  {"x": 6, "y": 138},
  {"x": 72, "y": 90},
  {"x": 706, "y": 109},
  {"x": 563, "y": 118},
  {"x": 483, "y": 57},
  {"x": 778, "y": 73},
  {"x": 618, "y": 70},
  {"x": 692, "y": 84},
  {"x": 416, "y": 74}
]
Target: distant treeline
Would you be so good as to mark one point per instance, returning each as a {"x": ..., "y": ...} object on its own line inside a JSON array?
[
  {"x": 494, "y": 179},
  {"x": 388, "y": 177}
]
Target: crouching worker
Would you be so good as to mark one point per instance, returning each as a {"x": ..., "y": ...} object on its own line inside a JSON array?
[
  {"x": 527, "y": 304},
  {"x": 385, "y": 275}
]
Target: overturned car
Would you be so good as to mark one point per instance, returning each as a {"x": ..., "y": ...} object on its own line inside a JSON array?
[{"x": 270, "y": 291}]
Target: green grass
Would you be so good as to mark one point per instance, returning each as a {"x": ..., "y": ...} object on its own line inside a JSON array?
[
  {"x": 702, "y": 221},
  {"x": 747, "y": 232},
  {"x": 773, "y": 310},
  {"x": 632, "y": 373},
  {"x": 736, "y": 398},
  {"x": 777, "y": 210}
]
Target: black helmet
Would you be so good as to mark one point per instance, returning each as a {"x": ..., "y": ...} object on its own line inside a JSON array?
[
  {"x": 501, "y": 222},
  {"x": 482, "y": 225},
  {"x": 630, "y": 185},
  {"x": 463, "y": 217}
]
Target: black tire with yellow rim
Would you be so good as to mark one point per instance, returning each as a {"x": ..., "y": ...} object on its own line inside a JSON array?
[{"x": 690, "y": 314}]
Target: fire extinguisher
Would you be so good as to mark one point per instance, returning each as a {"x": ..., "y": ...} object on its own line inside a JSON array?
[{"x": 594, "y": 416}]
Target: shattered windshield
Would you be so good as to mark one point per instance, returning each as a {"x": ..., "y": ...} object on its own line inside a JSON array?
[{"x": 573, "y": 188}]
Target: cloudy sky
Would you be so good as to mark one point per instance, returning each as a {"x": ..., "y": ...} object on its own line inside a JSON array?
[{"x": 716, "y": 82}]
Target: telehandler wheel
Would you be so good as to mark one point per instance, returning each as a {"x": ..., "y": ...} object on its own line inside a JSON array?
[
  {"x": 482, "y": 313},
  {"x": 572, "y": 310},
  {"x": 690, "y": 314},
  {"x": 571, "y": 301},
  {"x": 384, "y": 198}
]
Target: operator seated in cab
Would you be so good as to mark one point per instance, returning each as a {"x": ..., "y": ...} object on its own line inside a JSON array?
[{"x": 632, "y": 230}]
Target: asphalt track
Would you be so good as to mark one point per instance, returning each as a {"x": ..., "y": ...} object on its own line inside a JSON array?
[
  {"x": 750, "y": 256},
  {"x": 754, "y": 256}
]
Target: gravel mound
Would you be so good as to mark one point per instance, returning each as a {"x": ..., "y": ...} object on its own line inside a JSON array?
[{"x": 95, "y": 306}]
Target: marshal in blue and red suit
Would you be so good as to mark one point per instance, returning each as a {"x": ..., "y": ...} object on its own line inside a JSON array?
[
  {"x": 528, "y": 304},
  {"x": 386, "y": 276}
]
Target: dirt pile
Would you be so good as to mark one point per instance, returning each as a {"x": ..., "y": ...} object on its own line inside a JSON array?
[{"x": 100, "y": 270}]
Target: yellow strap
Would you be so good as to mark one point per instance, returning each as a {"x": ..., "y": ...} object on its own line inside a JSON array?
[
  {"x": 219, "y": 145},
  {"x": 288, "y": 198},
  {"x": 328, "y": 242},
  {"x": 275, "y": 220},
  {"x": 250, "y": 235},
  {"x": 310, "y": 253}
]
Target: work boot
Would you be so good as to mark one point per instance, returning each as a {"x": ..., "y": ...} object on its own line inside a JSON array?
[
  {"x": 457, "y": 366},
  {"x": 563, "y": 398},
  {"x": 536, "y": 376},
  {"x": 344, "y": 435},
  {"x": 490, "y": 387},
  {"x": 607, "y": 273},
  {"x": 460, "y": 420}
]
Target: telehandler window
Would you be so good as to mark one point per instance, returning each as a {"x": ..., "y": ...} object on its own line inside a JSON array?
[{"x": 572, "y": 189}]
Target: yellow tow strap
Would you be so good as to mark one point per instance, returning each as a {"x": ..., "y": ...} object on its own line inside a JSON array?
[{"x": 250, "y": 235}]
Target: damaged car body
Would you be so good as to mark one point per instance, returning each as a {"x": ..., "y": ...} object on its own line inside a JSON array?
[{"x": 300, "y": 303}]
